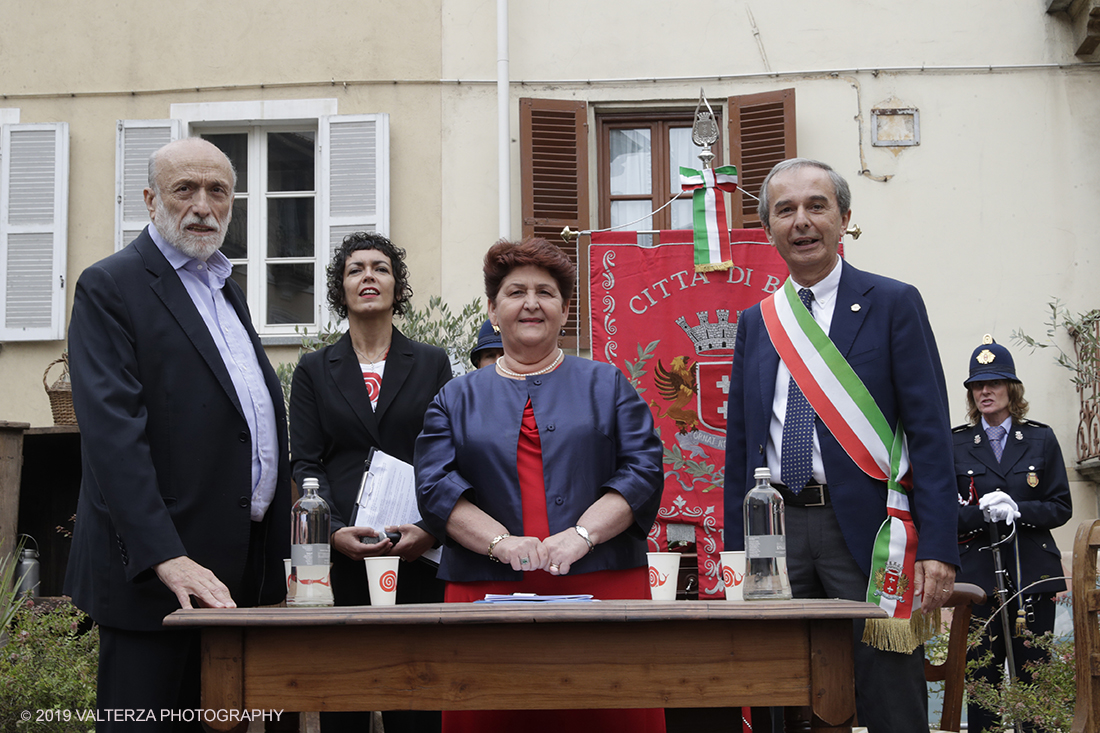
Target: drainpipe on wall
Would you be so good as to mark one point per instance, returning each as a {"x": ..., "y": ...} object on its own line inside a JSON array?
[{"x": 504, "y": 134}]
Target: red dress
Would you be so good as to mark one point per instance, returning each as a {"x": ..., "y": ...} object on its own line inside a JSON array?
[{"x": 632, "y": 583}]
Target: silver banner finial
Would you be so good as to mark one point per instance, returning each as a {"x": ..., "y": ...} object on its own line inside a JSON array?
[{"x": 704, "y": 132}]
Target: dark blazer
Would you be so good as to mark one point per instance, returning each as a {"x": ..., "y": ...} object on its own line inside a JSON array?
[
  {"x": 166, "y": 450},
  {"x": 881, "y": 327},
  {"x": 596, "y": 434},
  {"x": 1032, "y": 472},
  {"x": 333, "y": 428}
]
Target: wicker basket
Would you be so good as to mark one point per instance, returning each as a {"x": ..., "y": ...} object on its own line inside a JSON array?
[{"x": 60, "y": 393}]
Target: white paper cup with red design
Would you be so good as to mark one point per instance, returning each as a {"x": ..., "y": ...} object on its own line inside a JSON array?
[
  {"x": 733, "y": 574},
  {"x": 664, "y": 568},
  {"x": 382, "y": 579}
]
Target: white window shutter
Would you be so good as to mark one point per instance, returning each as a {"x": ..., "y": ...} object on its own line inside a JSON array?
[
  {"x": 355, "y": 176},
  {"x": 34, "y": 202},
  {"x": 354, "y": 191},
  {"x": 135, "y": 141}
]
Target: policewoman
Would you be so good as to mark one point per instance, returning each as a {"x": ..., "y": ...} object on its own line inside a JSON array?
[{"x": 1012, "y": 467}]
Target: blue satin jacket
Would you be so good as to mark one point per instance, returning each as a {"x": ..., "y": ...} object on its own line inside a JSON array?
[{"x": 597, "y": 435}]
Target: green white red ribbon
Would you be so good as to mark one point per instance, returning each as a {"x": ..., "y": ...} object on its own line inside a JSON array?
[
  {"x": 708, "y": 214},
  {"x": 850, "y": 413}
]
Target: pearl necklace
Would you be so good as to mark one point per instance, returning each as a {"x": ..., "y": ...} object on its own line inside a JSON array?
[{"x": 516, "y": 375}]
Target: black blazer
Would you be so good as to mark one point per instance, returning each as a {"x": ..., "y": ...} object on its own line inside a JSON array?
[
  {"x": 165, "y": 447},
  {"x": 1033, "y": 473},
  {"x": 333, "y": 428}
]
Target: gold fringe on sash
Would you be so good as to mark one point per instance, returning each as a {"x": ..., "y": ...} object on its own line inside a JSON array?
[
  {"x": 899, "y": 634},
  {"x": 713, "y": 266}
]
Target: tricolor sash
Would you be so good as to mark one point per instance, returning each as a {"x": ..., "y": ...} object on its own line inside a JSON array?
[
  {"x": 848, "y": 410},
  {"x": 708, "y": 215}
]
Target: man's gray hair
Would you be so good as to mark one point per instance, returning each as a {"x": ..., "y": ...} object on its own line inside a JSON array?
[
  {"x": 153, "y": 166},
  {"x": 840, "y": 186}
]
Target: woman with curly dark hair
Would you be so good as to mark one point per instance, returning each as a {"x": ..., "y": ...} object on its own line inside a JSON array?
[{"x": 368, "y": 390}]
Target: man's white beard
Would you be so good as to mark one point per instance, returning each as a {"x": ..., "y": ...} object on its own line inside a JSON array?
[{"x": 200, "y": 247}]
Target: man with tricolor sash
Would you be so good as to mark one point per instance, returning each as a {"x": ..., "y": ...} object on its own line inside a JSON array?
[{"x": 838, "y": 388}]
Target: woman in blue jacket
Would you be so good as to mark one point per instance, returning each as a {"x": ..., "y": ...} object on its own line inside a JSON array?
[{"x": 543, "y": 473}]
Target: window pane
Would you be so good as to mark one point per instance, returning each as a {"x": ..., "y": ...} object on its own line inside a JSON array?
[
  {"x": 240, "y": 276},
  {"x": 630, "y": 162},
  {"x": 290, "y": 293},
  {"x": 290, "y": 227},
  {"x": 236, "y": 239},
  {"x": 681, "y": 212},
  {"x": 681, "y": 152},
  {"x": 290, "y": 161},
  {"x": 626, "y": 212},
  {"x": 235, "y": 146}
]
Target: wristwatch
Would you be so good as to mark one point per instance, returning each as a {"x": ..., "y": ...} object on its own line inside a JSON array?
[{"x": 584, "y": 536}]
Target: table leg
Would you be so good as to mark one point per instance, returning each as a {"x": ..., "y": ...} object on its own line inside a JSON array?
[
  {"x": 223, "y": 676},
  {"x": 832, "y": 676}
]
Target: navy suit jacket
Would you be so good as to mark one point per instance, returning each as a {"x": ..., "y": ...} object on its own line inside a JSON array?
[
  {"x": 881, "y": 327},
  {"x": 167, "y": 455}
]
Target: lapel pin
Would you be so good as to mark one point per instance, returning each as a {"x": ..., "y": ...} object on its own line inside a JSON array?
[
  {"x": 1019, "y": 435},
  {"x": 855, "y": 307},
  {"x": 977, "y": 440}
]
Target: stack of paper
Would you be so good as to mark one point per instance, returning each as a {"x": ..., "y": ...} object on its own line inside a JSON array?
[{"x": 532, "y": 597}]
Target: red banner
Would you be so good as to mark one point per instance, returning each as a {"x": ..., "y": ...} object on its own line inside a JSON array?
[{"x": 671, "y": 331}]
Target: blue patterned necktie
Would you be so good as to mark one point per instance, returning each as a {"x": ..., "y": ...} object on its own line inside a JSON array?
[
  {"x": 996, "y": 433},
  {"x": 797, "y": 463}
]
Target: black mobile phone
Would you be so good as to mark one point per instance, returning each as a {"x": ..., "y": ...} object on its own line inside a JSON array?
[{"x": 393, "y": 537}]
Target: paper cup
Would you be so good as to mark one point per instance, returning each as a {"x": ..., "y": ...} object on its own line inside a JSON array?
[
  {"x": 664, "y": 569},
  {"x": 733, "y": 574},
  {"x": 382, "y": 579}
]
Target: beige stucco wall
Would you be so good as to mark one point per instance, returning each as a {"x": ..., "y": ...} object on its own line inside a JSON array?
[{"x": 991, "y": 216}]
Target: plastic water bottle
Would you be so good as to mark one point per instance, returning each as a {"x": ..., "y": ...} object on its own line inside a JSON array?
[
  {"x": 765, "y": 542},
  {"x": 310, "y": 520}
]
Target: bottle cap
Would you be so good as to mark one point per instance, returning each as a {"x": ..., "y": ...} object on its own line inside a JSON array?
[
  {"x": 762, "y": 473},
  {"x": 311, "y": 483}
]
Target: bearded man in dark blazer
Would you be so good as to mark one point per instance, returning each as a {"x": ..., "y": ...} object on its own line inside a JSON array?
[{"x": 185, "y": 495}]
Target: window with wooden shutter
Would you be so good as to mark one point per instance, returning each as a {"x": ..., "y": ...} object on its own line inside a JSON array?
[
  {"x": 34, "y": 201},
  {"x": 761, "y": 134},
  {"x": 554, "y": 188}
]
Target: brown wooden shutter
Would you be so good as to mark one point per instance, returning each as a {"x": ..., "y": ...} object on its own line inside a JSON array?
[
  {"x": 762, "y": 133},
  {"x": 553, "y": 148}
]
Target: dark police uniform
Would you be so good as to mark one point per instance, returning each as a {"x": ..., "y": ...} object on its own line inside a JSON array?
[{"x": 1033, "y": 473}]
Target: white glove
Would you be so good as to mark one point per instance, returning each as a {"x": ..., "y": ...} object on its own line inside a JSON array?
[{"x": 999, "y": 507}]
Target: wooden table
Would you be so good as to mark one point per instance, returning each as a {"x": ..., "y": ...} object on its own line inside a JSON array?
[{"x": 462, "y": 656}]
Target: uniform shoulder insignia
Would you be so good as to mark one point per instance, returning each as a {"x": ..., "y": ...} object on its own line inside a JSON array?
[
  {"x": 961, "y": 428},
  {"x": 1033, "y": 423}
]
